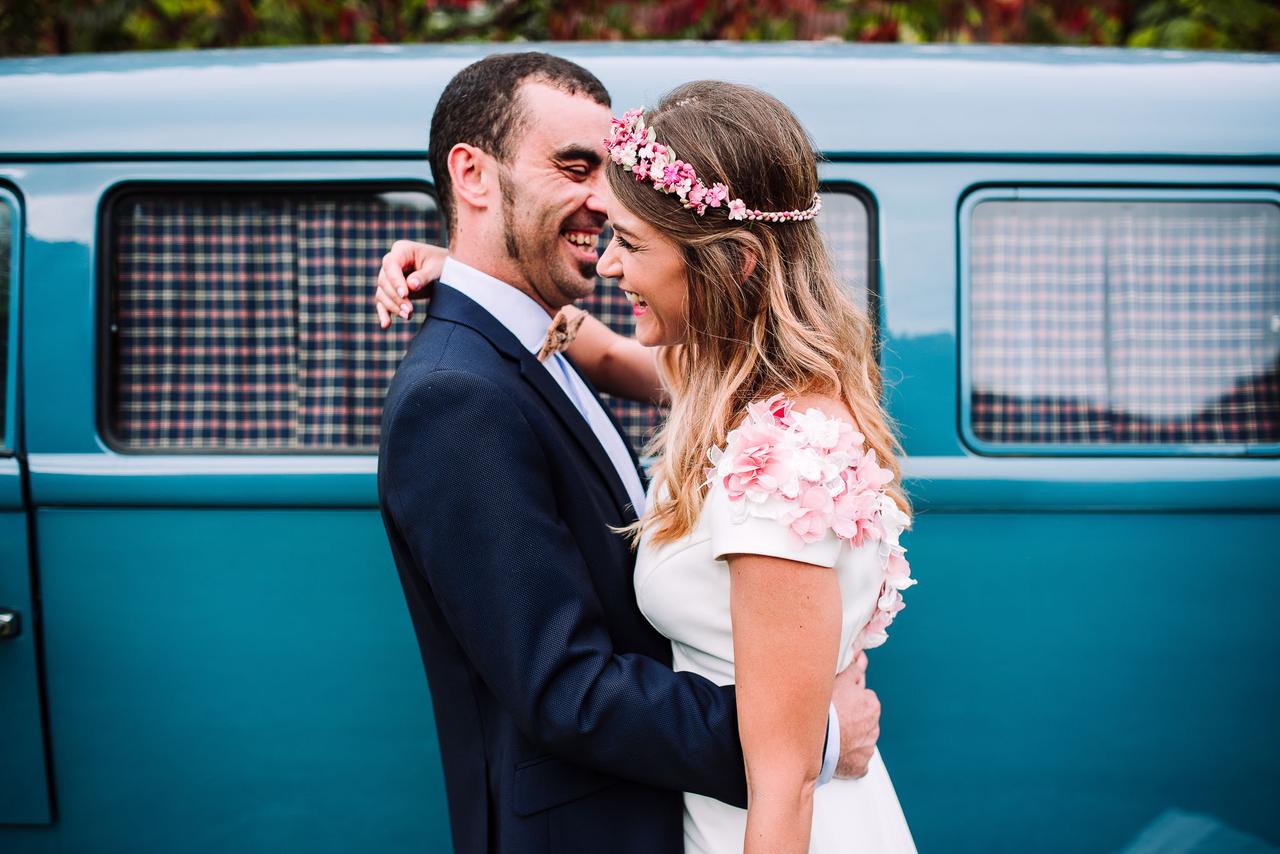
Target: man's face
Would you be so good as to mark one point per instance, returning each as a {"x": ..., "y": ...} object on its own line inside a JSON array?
[{"x": 553, "y": 210}]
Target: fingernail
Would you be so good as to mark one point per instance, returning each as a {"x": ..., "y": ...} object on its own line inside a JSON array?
[
  {"x": 404, "y": 312},
  {"x": 414, "y": 283},
  {"x": 403, "y": 292}
]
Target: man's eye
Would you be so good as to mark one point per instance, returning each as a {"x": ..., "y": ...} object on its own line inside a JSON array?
[{"x": 578, "y": 171}]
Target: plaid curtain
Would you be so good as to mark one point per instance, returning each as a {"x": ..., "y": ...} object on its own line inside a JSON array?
[
  {"x": 242, "y": 322},
  {"x": 1111, "y": 322},
  {"x": 245, "y": 321}
]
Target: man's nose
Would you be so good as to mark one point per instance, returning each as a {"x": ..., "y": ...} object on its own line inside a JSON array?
[{"x": 596, "y": 195}]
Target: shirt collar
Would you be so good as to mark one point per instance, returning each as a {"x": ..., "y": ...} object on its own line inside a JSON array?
[{"x": 517, "y": 311}]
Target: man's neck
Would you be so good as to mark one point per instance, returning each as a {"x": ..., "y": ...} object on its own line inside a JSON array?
[{"x": 500, "y": 267}]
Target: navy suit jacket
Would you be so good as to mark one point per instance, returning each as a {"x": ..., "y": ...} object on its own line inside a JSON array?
[{"x": 562, "y": 726}]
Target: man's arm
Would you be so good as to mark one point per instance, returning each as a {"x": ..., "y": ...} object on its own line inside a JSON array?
[{"x": 518, "y": 595}]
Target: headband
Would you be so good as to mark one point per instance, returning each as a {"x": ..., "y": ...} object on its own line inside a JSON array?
[{"x": 632, "y": 146}]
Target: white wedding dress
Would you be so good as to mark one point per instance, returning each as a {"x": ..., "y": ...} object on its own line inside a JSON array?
[{"x": 755, "y": 505}]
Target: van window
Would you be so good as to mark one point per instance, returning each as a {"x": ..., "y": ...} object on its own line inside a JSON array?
[
  {"x": 242, "y": 320},
  {"x": 845, "y": 226},
  {"x": 1124, "y": 322}
]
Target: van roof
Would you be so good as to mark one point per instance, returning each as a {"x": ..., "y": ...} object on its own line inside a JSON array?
[{"x": 856, "y": 100}]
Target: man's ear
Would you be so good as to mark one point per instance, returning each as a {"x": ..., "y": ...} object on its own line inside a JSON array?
[{"x": 474, "y": 175}]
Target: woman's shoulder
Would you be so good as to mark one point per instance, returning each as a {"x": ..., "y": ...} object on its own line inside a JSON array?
[{"x": 801, "y": 461}]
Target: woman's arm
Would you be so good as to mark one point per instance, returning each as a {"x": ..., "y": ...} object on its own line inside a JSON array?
[
  {"x": 616, "y": 364},
  {"x": 786, "y": 637}
]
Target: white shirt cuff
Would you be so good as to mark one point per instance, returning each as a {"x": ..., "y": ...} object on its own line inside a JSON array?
[{"x": 831, "y": 755}]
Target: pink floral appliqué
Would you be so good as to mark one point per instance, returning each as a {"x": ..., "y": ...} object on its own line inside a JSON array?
[{"x": 812, "y": 473}]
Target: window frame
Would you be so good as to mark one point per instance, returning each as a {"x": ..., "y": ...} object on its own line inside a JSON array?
[
  {"x": 103, "y": 321},
  {"x": 1116, "y": 194},
  {"x": 12, "y": 357}
]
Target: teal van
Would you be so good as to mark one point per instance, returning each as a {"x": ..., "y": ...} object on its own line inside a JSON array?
[{"x": 1073, "y": 261}]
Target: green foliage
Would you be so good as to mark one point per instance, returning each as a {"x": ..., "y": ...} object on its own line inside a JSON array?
[
  {"x": 71, "y": 26},
  {"x": 1216, "y": 24}
]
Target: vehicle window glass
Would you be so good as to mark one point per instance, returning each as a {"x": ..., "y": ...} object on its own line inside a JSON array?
[
  {"x": 844, "y": 223},
  {"x": 243, "y": 321},
  {"x": 845, "y": 227},
  {"x": 6, "y": 241},
  {"x": 1095, "y": 322}
]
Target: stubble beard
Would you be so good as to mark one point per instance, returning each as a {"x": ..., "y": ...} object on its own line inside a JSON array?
[{"x": 540, "y": 264}]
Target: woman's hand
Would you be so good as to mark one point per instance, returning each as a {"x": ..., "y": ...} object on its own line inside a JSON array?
[{"x": 422, "y": 262}]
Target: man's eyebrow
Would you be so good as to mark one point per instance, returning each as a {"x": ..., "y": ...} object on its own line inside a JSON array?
[{"x": 579, "y": 152}]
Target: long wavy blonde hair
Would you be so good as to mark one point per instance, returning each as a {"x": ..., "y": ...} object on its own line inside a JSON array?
[{"x": 783, "y": 324}]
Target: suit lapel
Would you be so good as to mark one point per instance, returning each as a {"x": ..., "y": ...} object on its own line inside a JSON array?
[{"x": 451, "y": 304}]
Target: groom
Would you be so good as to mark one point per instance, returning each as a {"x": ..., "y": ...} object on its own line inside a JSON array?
[{"x": 562, "y": 726}]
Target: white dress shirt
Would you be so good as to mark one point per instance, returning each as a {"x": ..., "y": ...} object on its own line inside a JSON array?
[{"x": 528, "y": 321}]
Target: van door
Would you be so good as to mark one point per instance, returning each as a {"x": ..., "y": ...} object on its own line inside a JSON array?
[{"x": 24, "y": 789}]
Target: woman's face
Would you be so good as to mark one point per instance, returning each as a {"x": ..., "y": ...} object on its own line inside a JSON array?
[{"x": 651, "y": 271}]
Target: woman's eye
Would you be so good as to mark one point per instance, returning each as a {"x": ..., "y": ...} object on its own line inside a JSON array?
[{"x": 621, "y": 242}]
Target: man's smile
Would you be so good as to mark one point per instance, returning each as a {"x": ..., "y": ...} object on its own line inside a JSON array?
[{"x": 583, "y": 243}]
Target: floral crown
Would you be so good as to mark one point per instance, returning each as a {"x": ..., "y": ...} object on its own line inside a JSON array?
[{"x": 631, "y": 145}]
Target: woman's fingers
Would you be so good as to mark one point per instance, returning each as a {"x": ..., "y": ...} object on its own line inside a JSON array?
[
  {"x": 391, "y": 295},
  {"x": 428, "y": 264}
]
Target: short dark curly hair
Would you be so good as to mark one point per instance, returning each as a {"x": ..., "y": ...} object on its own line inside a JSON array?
[{"x": 480, "y": 107}]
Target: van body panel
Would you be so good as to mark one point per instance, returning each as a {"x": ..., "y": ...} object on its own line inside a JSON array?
[
  {"x": 227, "y": 655},
  {"x": 1063, "y": 682},
  {"x": 232, "y": 678},
  {"x": 24, "y": 786},
  {"x": 854, "y": 98}
]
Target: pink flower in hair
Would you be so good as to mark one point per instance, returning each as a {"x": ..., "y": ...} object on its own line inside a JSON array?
[
  {"x": 737, "y": 209},
  {"x": 716, "y": 194}
]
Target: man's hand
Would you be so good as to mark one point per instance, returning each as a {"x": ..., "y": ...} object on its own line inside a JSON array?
[
  {"x": 859, "y": 711},
  {"x": 423, "y": 263}
]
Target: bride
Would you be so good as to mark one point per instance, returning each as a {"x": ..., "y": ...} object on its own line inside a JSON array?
[{"x": 769, "y": 549}]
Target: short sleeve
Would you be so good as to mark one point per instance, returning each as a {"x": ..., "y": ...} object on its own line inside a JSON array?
[
  {"x": 736, "y": 529},
  {"x": 800, "y": 486}
]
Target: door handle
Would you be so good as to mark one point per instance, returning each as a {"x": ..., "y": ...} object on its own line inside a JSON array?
[{"x": 10, "y": 624}]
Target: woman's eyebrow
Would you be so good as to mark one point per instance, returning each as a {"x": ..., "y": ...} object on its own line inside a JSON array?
[{"x": 584, "y": 153}]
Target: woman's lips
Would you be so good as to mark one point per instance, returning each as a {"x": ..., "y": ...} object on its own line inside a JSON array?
[{"x": 638, "y": 304}]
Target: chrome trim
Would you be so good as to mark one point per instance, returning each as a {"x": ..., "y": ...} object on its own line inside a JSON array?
[
  {"x": 177, "y": 465},
  {"x": 1078, "y": 470}
]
